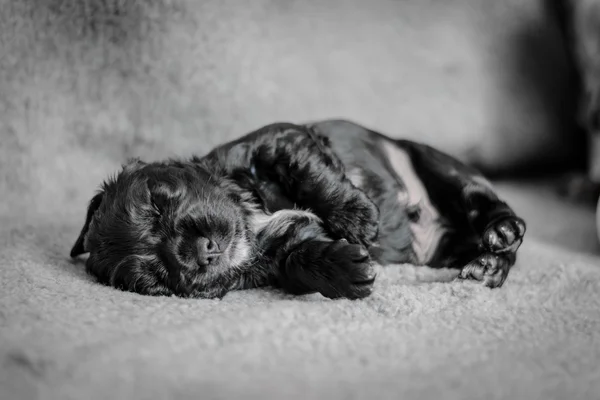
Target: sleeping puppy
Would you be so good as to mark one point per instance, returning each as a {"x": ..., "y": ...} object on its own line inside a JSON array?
[{"x": 307, "y": 208}]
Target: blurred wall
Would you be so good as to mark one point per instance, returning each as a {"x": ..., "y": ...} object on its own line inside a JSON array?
[{"x": 85, "y": 84}]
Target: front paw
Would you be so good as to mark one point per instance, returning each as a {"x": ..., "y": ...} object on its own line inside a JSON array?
[
  {"x": 489, "y": 268},
  {"x": 357, "y": 221},
  {"x": 504, "y": 235},
  {"x": 351, "y": 273}
]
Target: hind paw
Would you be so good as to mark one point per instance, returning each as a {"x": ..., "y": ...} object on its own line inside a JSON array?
[
  {"x": 504, "y": 235},
  {"x": 489, "y": 268}
]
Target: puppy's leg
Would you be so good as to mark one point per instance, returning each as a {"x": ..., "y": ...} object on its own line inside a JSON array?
[
  {"x": 487, "y": 232},
  {"x": 302, "y": 163},
  {"x": 304, "y": 259}
]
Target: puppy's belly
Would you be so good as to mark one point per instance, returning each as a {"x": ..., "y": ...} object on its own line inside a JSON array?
[{"x": 428, "y": 229}]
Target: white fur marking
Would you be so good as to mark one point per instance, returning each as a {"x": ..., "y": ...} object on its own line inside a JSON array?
[
  {"x": 428, "y": 231},
  {"x": 241, "y": 253},
  {"x": 278, "y": 222},
  {"x": 356, "y": 177}
]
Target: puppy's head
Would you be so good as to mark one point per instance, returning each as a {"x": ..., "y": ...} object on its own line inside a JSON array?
[{"x": 166, "y": 228}]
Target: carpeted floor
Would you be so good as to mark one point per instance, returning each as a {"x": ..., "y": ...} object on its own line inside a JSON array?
[
  {"x": 85, "y": 84},
  {"x": 65, "y": 337}
]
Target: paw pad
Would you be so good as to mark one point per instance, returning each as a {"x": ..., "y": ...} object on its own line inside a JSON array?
[{"x": 489, "y": 268}]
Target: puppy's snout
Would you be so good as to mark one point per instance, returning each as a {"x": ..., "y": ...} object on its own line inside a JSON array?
[{"x": 208, "y": 251}]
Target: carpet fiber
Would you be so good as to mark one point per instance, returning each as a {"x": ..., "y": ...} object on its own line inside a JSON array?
[{"x": 84, "y": 84}]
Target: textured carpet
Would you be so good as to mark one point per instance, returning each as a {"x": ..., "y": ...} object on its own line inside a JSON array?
[
  {"x": 85, "y": 84},
  {"x": 65, "y": 337}
]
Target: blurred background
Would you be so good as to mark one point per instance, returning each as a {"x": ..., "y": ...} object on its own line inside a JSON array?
[{"x": 86, "y": 84}]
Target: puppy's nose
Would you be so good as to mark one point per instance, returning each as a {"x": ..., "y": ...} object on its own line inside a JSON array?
[{"x": 208, "y": 251}]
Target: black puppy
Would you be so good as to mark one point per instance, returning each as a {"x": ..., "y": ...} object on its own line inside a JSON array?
[{"x": 308, "y": 208}]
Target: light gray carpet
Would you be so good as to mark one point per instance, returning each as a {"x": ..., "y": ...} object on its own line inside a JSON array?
[
  {"x": 65, "y": 337},
  {"x": 83, "y": 87}
]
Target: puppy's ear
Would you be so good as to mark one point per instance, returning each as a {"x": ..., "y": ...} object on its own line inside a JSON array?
[{"x": 79, "y": 246}]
